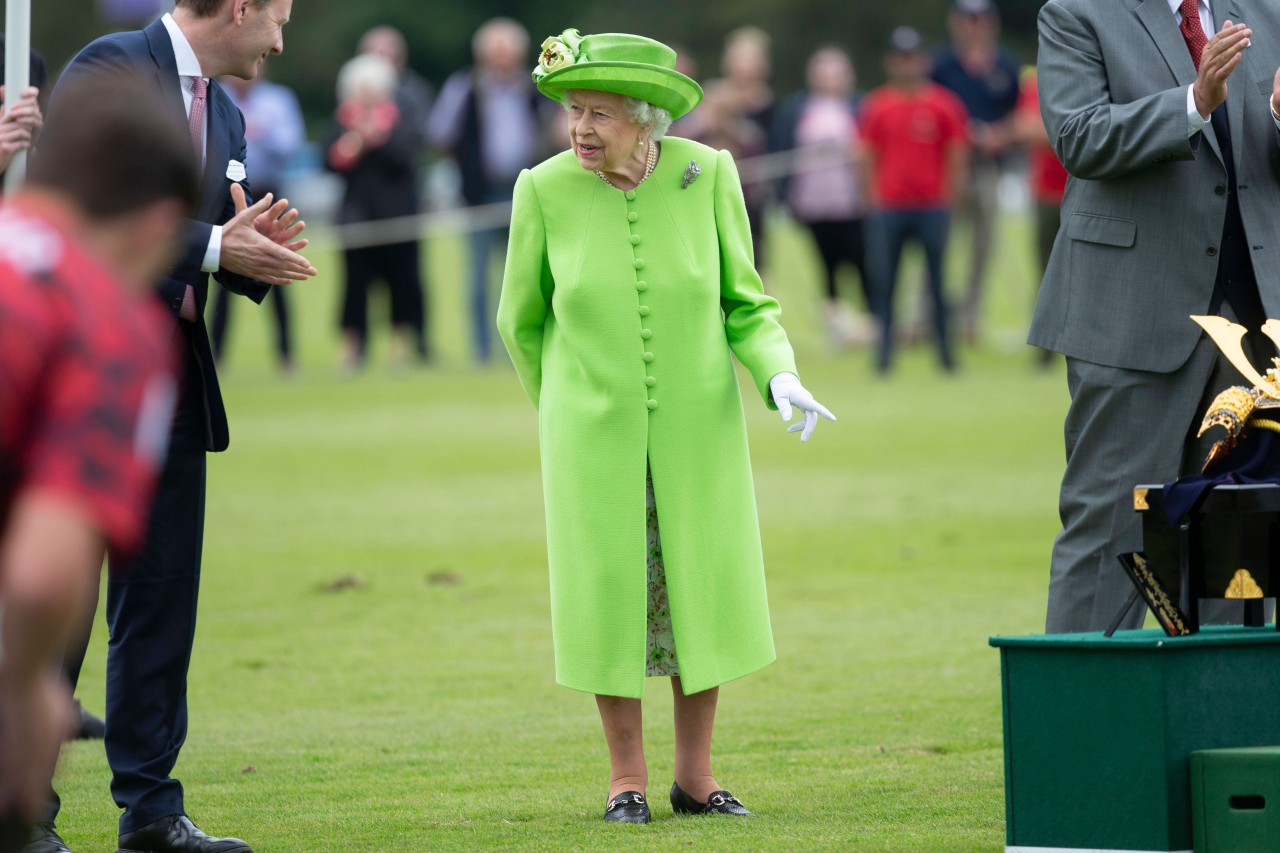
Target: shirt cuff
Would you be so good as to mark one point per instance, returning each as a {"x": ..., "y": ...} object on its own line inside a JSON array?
[
  {"x": 1195, "y": 121},
  {"x": 213, "y": 254}
]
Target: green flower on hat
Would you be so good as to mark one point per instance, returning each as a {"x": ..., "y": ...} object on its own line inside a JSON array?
[{"x": 559, "y": 52}]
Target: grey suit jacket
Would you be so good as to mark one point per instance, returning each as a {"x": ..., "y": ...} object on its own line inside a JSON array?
[{"x": 1145, "y": 204}]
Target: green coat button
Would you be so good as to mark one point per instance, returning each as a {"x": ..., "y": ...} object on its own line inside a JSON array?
[
  {"x": 650, "y": 381},
  {"x": 635, "y": 239},
  {"x": 642, "y": 286},
  {"x": 633, "y": 217},
  {"x": 653, "y": 404},
  {"x": 646, "y": 334},
  {"x": 644, "y": 309},
  {"x": 639, "y": 264},
  {"x": 631, "y": 195},
  {"x": 648, "y": 357}
]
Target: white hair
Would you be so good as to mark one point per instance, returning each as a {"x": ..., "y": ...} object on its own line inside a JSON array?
[
  {"x": 656, "y": 120},
  {"x": 366, "y": 71}
]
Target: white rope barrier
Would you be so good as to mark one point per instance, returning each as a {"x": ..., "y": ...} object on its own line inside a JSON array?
[{"x": 404, "y": 229}]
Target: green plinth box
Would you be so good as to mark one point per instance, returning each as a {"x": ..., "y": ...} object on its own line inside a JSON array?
[
  {"x": 1235, "y": 800},
  {"x": 1098, "y": 732}
]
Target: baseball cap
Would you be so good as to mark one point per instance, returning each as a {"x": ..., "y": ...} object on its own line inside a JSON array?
[
  {"x": 972, "y": 7},
  {"x": 905, "y": 40}
]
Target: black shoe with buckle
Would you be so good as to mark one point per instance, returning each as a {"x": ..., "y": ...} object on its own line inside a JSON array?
[
  {"x": 720, "y": 802},
  {"x": 627, "y": 807}
]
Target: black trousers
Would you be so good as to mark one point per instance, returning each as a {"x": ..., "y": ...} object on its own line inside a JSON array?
[
  {"x": 842, "y": 241},
  {"x": 399, "y": 266},
  {"x": 151, "y": 613}
]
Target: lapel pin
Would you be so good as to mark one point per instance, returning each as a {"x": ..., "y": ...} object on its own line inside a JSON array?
[{"x": 691, "y": 173}]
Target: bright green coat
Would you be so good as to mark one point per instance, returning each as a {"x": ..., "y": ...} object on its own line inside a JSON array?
[{"x": 619, "y": 311}]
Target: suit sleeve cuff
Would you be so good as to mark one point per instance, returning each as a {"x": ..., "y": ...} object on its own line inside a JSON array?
[
  {"x": 213, "y": 254},
  {"x": 1195, "y": 121}
]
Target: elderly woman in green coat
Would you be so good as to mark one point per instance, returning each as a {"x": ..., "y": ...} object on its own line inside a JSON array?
[{"x": 629, "y": 281}]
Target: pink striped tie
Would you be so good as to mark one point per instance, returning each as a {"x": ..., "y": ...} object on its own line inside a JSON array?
[{"x": 199, "y": 91}]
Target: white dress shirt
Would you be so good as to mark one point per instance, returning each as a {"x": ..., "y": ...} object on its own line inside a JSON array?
[{"x": 188, "y": 70}]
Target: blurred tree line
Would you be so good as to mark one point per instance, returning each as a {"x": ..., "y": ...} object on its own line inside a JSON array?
[{"x": 323, "y": 33}]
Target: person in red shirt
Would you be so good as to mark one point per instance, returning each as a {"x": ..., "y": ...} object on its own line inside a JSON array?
[
  {"x": 1047, "y": 175},
  {"x": 916, "y": 147},
  {"x": 86, "y": 394}
]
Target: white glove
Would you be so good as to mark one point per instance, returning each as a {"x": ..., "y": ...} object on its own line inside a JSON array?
[{"x": 787, "y": 392}]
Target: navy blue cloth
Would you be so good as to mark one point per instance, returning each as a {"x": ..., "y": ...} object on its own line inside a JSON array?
[
  {"x": 149, "y": 52},
  {"x": 151, "y": 601},
  {"x": 988, "y": 98},
  {"x": 889, "y": 231},
  {"x": 1256, "y": 459}
]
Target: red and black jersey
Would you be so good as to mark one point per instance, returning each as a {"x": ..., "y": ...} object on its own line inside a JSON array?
[{"x": 86, "y": 378}]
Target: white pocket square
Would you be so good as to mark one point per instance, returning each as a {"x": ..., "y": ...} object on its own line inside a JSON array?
[{"x": 235, "y": 170}]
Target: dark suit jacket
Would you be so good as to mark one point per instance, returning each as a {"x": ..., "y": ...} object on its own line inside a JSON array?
[{"x": 150, "y": 52}]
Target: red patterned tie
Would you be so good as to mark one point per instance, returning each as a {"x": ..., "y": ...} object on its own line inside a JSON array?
[
  {"x": 199, "y": 91},
  {"x": 1192, "y": 31}
]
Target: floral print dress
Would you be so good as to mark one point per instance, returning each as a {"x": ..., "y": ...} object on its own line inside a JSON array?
[{"x": 660, "y": 658}]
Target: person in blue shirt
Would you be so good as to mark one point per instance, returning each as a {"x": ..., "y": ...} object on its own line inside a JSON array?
[{"x": 985, "y": 78}]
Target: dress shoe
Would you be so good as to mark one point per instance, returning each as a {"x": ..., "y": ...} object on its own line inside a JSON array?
[
  {"x": 45, "y": 839},
  {"x": 720, "y": 802},
  {"x": 88, "y": 726},
  {"x": 627, "y": 807},
  {"x": 177, "y": 834}
]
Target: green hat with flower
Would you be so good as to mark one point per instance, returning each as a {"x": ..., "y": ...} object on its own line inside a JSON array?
[{"x": 629, "y": 65}]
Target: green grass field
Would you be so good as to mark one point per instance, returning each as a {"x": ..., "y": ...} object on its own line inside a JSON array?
[{"x": 416, "y": 709}]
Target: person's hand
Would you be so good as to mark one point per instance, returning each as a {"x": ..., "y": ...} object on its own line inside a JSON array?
[
  {"x": 1275, "y": 96},
  {"x": 280, "y": 224},
  {"x": 787, "y": 392},
  {"x": 34, "y": 720},
  {"x": 1221, "y": 56},
  {"x": 20, "y": 124},
  {"x": 248, "y": 252}
]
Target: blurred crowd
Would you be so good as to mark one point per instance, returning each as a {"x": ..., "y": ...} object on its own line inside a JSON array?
[{"x": 866, "y": 175}]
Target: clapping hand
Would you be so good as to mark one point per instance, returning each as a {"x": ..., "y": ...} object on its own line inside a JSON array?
[
  {"x": 788, "y": 392},
  {"x": 1221, "y": 56},
  {"x": 258, "y": 242}
]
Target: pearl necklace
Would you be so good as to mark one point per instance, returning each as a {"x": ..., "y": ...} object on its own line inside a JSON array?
[{"x": 650, "y": 161}]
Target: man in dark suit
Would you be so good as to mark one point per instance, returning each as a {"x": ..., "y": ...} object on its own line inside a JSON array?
[
  {"x": 1164, "y": 113},
  {"x": 151, "y": 601}
]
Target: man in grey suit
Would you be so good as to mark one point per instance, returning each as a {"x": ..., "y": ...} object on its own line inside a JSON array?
[{"x": 1163, "y": 119}]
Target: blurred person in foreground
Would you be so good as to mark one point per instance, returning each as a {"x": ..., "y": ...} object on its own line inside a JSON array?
[
  {"x": 820, "y": 124},
  {"x": 247, "y": 247},
  {"x": 19, "y": 130},
  {"x": 489, "y": 118},
  {"x": 985, "y": 79},
  {"x": 274, "y": 133},
  {"x": 376, "y": 151},
  {"x": 1046, "y": 174},
  {"x": 629, "y": 281},
  {"x": 87, "y": 390},
  {"x": 916, "y": 157},
  {"x": 1166, "y": 118}
]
